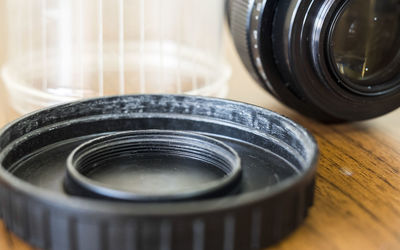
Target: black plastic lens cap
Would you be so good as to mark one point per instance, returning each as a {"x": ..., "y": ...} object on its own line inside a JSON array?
[{"x": 278, "y": 165}]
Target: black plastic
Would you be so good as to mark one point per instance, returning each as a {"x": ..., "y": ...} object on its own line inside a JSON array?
[
  {"x": 152, "y": 165},
  {"x": 278, "y": 159}
]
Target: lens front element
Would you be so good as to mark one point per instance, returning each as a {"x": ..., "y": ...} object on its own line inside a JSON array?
[{"x": 365, "y": 44}]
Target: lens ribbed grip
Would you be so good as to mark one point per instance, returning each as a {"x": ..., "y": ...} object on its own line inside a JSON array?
[
  {"x": 250, "y": 227},
  {"x": 239, "y": 19}
]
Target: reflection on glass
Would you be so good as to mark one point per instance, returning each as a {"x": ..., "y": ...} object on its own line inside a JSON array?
[{"x": 366, "y": 41}]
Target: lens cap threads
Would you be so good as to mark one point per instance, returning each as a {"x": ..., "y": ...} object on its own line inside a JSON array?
[
  {"x": 152, "y": 165},
  {"x": 272, "y": 197}
]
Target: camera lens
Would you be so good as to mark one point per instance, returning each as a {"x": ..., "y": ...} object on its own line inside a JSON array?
[
  {"x": 336, "y": 60},
  {"x": 366, "y": 44}
]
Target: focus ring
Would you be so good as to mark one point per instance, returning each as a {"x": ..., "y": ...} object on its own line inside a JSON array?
[
  {"x": 254, "y": 28},
  {"x": 245, "y": 18}
]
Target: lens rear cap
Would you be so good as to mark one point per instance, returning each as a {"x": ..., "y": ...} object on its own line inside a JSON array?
[{"x": 151, "y": 172}]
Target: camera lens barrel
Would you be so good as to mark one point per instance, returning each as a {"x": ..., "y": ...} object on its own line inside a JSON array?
[{"x": 321, "y": 57}]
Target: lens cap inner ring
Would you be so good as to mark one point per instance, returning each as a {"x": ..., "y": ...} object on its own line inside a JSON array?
[{"x": 106, "y": 152}]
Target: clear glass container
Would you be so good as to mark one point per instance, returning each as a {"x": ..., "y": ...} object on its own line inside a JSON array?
[{"x": 63, "y": 50}]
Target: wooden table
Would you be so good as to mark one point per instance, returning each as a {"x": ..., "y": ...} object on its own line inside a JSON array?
[{"x": 357, "y": 201}]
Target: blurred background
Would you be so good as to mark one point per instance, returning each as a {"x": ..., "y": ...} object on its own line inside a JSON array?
[
  {"x": 183, "y": 48},
  {"x": 60, "y": 51}
]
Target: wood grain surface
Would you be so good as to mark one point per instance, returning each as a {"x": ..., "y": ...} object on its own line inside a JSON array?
[{"x": 357, "y": 201}]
